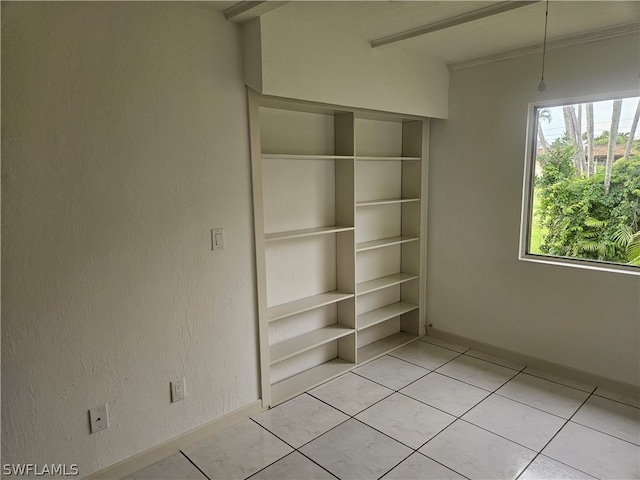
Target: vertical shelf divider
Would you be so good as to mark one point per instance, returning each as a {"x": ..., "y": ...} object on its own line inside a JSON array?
[{"x": 258, "y": 229}]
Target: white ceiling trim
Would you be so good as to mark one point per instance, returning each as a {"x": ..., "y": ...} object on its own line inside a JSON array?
[
  {"x": 593, "y": 36},
  {"x": 451, "y": 22},
  {"x": 247, "y": 10}
]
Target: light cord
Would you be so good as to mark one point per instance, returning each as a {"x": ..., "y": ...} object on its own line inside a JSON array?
[{"x": 542, "y": 86}]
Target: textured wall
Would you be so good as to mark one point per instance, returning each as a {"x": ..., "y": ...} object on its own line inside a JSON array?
[
  {"x": 476, "y": 286},
  {"x": 297, "y": 59},
  {"x": 124, "y": 141}
]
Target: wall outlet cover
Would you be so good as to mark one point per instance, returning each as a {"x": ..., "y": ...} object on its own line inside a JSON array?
[
  {"x": 99, "y": 418},
  {"x": 178, "y": 391}
]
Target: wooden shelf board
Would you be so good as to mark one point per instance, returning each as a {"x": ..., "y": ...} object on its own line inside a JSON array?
[
  {"x": 304, "y": 305},
  {"x": 380, "y": 315},
  {"x": 384, "y": 242},
  {"x": 308, "y": 379},
  {"x": 386, "y": 201},
  {"x": 386, "y": 159},
  {"x": 302, "y": 343},
  {"x": 384, "y": 346},
  {"x": 287, "y": 156},
  {"x": 384, "y": 282},
  {"x": 307, "y": 232}
]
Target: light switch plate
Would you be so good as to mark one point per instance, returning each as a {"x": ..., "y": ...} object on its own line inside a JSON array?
[{"x": 217, "y": 239}]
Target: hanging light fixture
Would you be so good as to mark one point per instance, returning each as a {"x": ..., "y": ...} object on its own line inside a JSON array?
[{"x": 541, "y": 85}]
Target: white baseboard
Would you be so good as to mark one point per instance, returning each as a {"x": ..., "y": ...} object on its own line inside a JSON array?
[
  {"x": 583, "y": 376},
  {"x": 157, "y": 453}
]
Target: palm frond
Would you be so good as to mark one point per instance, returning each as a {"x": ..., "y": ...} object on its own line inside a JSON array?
[
  {"x": 622, "y": 236},
  {"x": 633, "y": 249},
  {"x": 595, "y": 223}
]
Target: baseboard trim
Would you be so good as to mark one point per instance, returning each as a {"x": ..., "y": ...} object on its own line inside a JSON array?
[
  {"x": 582, "y": 376},
  {"x": 148, "y": 457}
]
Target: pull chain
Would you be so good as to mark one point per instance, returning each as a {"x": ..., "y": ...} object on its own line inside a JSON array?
[{"x": 542, "y": 86}]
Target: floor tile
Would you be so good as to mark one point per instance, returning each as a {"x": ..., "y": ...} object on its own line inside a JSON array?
[
  {"x": 354, "y": 450},
  {"x": 477, "y": 372},
  {"x": 445, "y": 344},
  {"x": 595, "y": 453},
  {"x": 300, "y": 420},
  {"x": 633, "y": 400},
  {"x": 350, "y": 393},
  {"x": 237, "y": 452},
  {"x": 540, "y": 393},
  {"x": 560, "y": 379},
  {"x": 476, "y": 453},
  {"x": 515, "y": 421},
  {"x": 419, "y": 467},
  {"x": 405, "y": 419},
  {"x": 545, "y": 468},
  {"x": 613, "y": 418},
  {"x": 445, "y": 393},
  {"x": 391, "y": 372},
  {"x": 493, "y": 359},
  {"x": 294, "y": 466},
  {"x": 425, "y": 355},
  {"x": 175, "y": 467}
]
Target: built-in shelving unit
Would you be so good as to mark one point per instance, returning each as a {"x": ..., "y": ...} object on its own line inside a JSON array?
[{"x": 339, "y": 228}]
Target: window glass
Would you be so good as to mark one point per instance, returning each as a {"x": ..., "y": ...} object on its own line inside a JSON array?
[{"x": 585, "y": 181}]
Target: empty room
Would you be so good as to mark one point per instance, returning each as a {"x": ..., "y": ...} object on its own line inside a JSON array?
[{"x": 320, "y": 239}]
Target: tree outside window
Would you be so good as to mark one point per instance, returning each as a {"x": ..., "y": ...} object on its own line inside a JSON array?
[{"x": 586, "y": 182}]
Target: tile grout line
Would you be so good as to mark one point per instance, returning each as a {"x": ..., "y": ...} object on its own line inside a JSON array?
[
  {"x": 396, "y": 391},
  {"x": 605, "y": 433},
  {"x": 294, "y": 448},
  {"x": 440, "y": 463},
  {"x": 353, "y": 417},
  {"x": 459, "y": 418},
  {"x": 193, "y": 463},
  {"x": 614, "y": 400},
  {"x": 530, "y": 406},
  {"x": 557, "y": 382},
  {"x": 555, "y": 435},
  {"x": 456, "y": 417}
]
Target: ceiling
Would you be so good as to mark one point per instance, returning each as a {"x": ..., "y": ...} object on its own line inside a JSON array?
[{"x": 461, "y": 33}]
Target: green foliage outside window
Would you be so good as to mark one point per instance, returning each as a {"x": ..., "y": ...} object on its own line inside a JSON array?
[{"x": 578, "y": 219}]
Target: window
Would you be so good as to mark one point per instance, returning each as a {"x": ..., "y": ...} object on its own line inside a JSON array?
[{"x": 582, "y": 184}]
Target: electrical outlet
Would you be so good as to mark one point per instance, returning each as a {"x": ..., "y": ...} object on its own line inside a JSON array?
[
  {"x": 178, "y": 391},
  {"x": 99, "y": 418}
]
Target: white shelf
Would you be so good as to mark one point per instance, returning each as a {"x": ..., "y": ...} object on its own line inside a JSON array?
[
  {"x": 292, "y": 386},
  {"x": 384, "y": 282},
  {"x": 289, "y": 348},
  {"x": 387, "y": 159},
  {"x": 307, "y": 232},
  {"x": 315, "y": 165},
  {"x": 386, "y": 201},
  {"x": 380, "y": 315},
  {"x": 304, "y": 305},
  {"x": 384, "y": 242},
  {"x": 384, "y": 346},
  {"x": 278, "y": 156}
]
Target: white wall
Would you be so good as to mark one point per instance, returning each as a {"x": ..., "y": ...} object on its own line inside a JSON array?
[
  {"x": 477, "y": 287},
  {"x": 296, "y": 59},
  {"x": 124, "y": 141}
]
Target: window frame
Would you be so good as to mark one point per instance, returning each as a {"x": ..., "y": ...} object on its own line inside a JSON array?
[{"x": 526, "y": 215}]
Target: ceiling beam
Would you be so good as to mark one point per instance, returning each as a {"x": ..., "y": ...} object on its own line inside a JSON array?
[
  {"x": 452, "y": 22},
  {"x": 244, "y": 11}
]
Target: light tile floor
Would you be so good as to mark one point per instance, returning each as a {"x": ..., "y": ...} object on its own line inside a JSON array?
[{"x": 430, "y": 410}]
